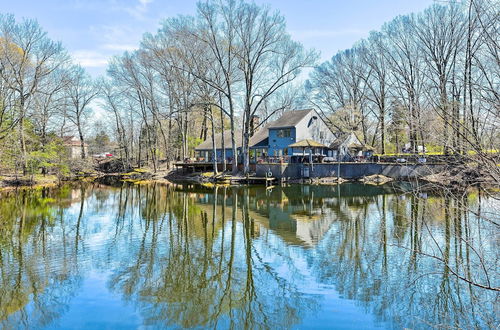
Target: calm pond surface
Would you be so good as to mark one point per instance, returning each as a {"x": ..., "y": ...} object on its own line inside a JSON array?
[{"x": 165, "y": 256}]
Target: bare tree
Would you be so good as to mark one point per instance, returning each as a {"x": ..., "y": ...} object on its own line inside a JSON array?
[
  {"x": 113, "y": 102},
  {"x": 376, "y": 80},
  {"x": 267, "y": 58},
  {"x": 50, "y": 102},
  {"x": 217, "y": 33},
  {"x": 28, "y": 57},
  {"x": 338, "y": 89},
  {"x": 439, "y": 31},
  {"x": 81, "y": 91},
  {"x": 402, "y": 54}
]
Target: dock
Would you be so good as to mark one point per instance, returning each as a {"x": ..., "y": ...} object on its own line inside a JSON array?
[
  {"x": 229, "y": 179},
  {"x": 194, "y": 167}
]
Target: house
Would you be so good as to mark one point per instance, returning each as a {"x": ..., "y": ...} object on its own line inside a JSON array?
[
  {"x": 297, "y": 136},
  {"x": 296, "y": 126},
  {"x": 348, "y": 147},
  {"x": 258, "y": 145},
  {"x": 275, "y": 139},
  {"x": 73, "y": 146}
]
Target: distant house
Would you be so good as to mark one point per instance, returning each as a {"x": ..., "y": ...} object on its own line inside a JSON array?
[
  {"x": 297, "y": 135},
  {"x": 348, "y": 147},
  {"x": 408, "y": 148},
  {"x": 73, "y": 146}
]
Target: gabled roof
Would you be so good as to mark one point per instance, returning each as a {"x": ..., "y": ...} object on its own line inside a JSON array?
[
  {"x": 71, "y": 140},
  {"x": 349, "y": 140},
  {"x": 259, "y": 136},
  {"x": 290, "y": 118},
  {"x": 307, "y": 143},
  {"x": 343, "y": 138},
  {"x": 208, "y": 145}
]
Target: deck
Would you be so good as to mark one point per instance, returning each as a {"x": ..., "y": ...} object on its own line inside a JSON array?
[
  {"x": 250, "y": 179},
  {"x": 195, "y": 166},
  {"x": 225, "y": 178}
]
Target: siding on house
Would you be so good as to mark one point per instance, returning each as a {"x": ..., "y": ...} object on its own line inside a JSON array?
[
  {"x": 207, "y": 154},
  {"x": 73, "y": 147},
  {"x": 278, "y": 144},
  {"x": 314, "y": 128},
  {"x": 304, "y": 124}
]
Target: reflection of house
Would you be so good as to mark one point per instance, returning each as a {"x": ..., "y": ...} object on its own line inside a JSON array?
[
  {"x": 278, "y": 138},
  {"x": 299, "y": 214},
  {"x": 298, "y": 226},
  {"x": 311, "y": 231},
  {"x": 348, "y": 146},
  {"x": 73, "y": 146}
]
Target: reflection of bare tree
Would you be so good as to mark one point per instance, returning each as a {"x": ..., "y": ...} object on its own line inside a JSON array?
[
  {"x": 227, "y": 257},
  {"x": 204, "y": 271},
  {"x": 410, "y": 277},
  {"x": 36, "y": 273},
  {"x": 411, "y": 257}
]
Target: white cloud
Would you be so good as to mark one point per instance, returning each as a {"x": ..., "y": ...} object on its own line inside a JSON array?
[{"x": 90, "y": 58}]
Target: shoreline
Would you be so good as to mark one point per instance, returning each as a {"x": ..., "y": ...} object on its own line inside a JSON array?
[{"x": 456, "y": 181}]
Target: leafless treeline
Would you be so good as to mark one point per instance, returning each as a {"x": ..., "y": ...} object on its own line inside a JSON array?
[
  {"x": 42, "y": 95},
  {"x": 214, "y": 71},
  {"x": 429, "y": 79}
]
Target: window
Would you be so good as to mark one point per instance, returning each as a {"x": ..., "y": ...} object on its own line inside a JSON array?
[
  {"x": 321, "y": 135},
  {"x": 311, "y": 121},
  {"x": 284, "y": 133}
]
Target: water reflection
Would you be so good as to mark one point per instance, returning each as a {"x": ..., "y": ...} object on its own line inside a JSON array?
[{"x": 182, "y": 256}]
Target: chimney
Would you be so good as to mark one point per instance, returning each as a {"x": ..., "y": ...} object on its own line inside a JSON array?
[{"x": 254, "y": 122}]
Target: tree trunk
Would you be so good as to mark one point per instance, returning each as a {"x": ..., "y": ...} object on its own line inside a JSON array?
[
  {"x": 169, "y": 158},
  {"x": 22, "y": 137},
  {"x": 80, "y": 134},
  {"x": 246, "y": 142},
  {"x": 214, "y": 149},
  {"x": 223, "y": 145},
  {"x": 234, "y": 162},
  {"x": 382, "y": 129}
]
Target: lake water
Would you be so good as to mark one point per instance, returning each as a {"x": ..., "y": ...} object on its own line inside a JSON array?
[{"x": 165, "y": 256}]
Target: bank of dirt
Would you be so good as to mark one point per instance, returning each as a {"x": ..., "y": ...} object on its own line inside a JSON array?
[
  {"x": 466, "y": 175},
  {"x": 112, "y": 172}
]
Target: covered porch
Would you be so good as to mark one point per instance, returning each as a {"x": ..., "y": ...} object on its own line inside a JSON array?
[{"x": 308, "y": 151}]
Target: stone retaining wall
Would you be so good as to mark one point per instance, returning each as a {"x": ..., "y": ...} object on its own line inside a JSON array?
[{"x": 349, "y": 170}]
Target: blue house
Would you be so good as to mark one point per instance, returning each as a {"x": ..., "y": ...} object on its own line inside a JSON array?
[{"x": 298, "y": 133}]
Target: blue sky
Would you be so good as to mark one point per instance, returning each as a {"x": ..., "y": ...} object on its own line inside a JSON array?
[{"x": 95, "y": 30}]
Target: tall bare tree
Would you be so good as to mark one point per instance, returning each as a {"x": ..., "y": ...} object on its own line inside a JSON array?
[
  {"x": 81, "y": 91},
  {"x": 27, "y": 58},
  {"x": 268, "y": 60}
]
